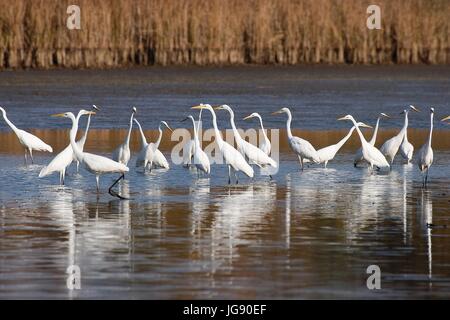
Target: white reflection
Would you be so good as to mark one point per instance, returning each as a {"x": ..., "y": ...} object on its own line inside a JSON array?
[{"x": 426, "y": 206}]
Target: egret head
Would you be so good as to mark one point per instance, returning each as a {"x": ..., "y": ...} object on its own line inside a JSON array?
[
  {"x": 167, "y": 126},
  {"x": 363, "y": 125},
  {"x": 446, "y": 118},
  {"x": 94, "y": 107},
  {"x": 384, "y": 115},
  {"x": 414, "y": 108},
  {"x": 134, "y": 110},
  {"x": 188, "y": 117},
  {"x": 347, "y": 117},
  {"x": 432, "y": 110},
  {"x": 253, "y": 115},
  {"x": 203, "y": 106},
  {"x": 223, "y": 107},
  {"x": 282, "y": 110}
]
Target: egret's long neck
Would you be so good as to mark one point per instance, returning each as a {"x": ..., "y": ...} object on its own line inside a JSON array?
[
  {"x": 288, "y": 125},
  {"x": 199, "y": 120},
  {"x": 196, "y": 141},
  {"x": 375, "y": 132},
  {"x": 431, "y": 130},
  {"x": 361, "y": 136},
  {"x": 12, "y": 126},
  {"x": 84, "y": 137},
  {"x": 344, "y": 139},
  {"x": 144, "y": 142},
  {"x": 405, "y": 126},
  {"x": 237, "y": 136},
  {"x": 262, "y": 128},
  {"x": 129, "y": 129},
  {"x": 159, "y": 137},
  {"x": 73, "y": 133},
  {"x": 219, "y": 139}
]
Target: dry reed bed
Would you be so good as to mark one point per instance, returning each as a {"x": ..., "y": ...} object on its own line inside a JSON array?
[{"x": 33, "y": 33}]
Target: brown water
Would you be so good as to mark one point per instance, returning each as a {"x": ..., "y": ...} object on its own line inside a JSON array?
[{"x": 308, "y": 234}]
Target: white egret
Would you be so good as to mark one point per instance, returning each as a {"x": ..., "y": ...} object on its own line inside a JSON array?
[
  {"x": 122, "y": 153},
  {"x": 406, "y": 148},
  {"x": 188, "y": 148},
  {"x": 301, "y": 147},
  {"x": 150, "y": 154},
  {"x": 328, "y": 153},
  {"x": 29, "y": 141},
  {"x": 358, "y": 155},
  {"x": 233, "y": 158},
  {"x": 201, "y": 160},
  {"x": 264, "y": 145},
  {"x": 253, "y": 153},
  {"x": 390, "y": 148},
  {"x": 95, "y": 164},
  {"x": 372, "y": 155},
  {"x": 65, "y": 157},
  {"x": 83, "y": 138},
  {"x": 425, "y": 155}
]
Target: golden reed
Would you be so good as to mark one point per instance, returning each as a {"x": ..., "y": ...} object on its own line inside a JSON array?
[{"x": 120, "y": 33}]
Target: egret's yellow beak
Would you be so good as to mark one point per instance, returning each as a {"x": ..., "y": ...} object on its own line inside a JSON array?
[
  {"x": 276, "y": 112},
  {"x": 169, "y": 128},
  {"x": 247, "y": 117},
  {"x": 218, "y": 108},
  {"x": 385, "y": 115},
  {"x": 414, "y": 108},
  {"x": 363, "y": 125},
  {"x": 198, "y": 107},
  {"x": 343, "y": 118},
  {"x": 60, "y": 115},
  {"x": 92, "y": 112},
  {"x": 446, "y": 118}
]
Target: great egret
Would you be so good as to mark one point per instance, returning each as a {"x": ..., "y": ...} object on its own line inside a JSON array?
[
  {"x": 406, "y": 148},
  {"x": 95, "y": 164},
  {"x": 372, "y": 155},
  {"x": 425, "y": 155},
  {"x": 188, "y": 148},
  {"x": 122, "y": 153},
  {"x": 201, "y": 160},
  {"x": 150, "y": 154},
  {"x": 301, "y": 147},
  {"x": 29, "y": 141},
  {"x": 65, "y": 157},
  {"x": 328, "y": 153},
  {"x": 264, "y": 145},
  {"x": 233, "y": 158},
  {"x": 358, "y": 155},
  {"x": 253, "y": 153},
  {"x": 390, "y": 148},
  {"x": 82, "y": 140}
]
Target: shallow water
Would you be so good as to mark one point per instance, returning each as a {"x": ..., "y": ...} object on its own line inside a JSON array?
[{"x": 308, "y": 234}]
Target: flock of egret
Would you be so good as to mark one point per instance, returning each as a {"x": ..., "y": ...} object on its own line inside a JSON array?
[{"x": 242, "y": 158}]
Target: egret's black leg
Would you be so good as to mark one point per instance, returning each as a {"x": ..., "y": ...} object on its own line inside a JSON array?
[{"x": 112, "y": 192}]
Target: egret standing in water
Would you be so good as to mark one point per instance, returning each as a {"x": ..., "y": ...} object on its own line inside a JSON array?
[
  {"x": 264, "y": 145},
  {"x": 65, "y": 157},
  {"x": 425, "y": 155},
  {"x": 122, "y": 153},
  {"x": 152, "y": 156},
  {"x": 253, "y": 153},
  {"x": 390, "y": 148},
  {"x": 372, "y": 155},
  {"x": 201, "y": 160},
  {"x": 233, "y": 158},
  {"x": 328, "y": 153},
  {"x": 29, "y": 141},
  {"x": 358, "y": 155},
  {"x": 301, "y": 147},
  {"x": 82, "y": 140},
  {"x": 95, "y": 164}
]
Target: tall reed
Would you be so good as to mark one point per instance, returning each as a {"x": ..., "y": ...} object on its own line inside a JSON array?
[{"x": 33, "y": 33}]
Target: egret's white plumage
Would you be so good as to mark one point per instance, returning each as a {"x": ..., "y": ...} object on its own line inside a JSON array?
[
  {"x": 425, "y": 154},
  {"x": 264, "y": 145},
  {"x": 201, "y": 160},
  {"x": 406, "y": 148},
  {"x": 188, "y": 148},
  {"x": 83, "y": 138},
  {"x": 29, "y": 141},
  {"x": 358, "y": 154},
  {"x": 66, "y": 156},
  {"x": 390, "y": 148},
  {"x": 301, "y": 147},
  {"x": 328, "y": 153},
  {"x": 253, "y": 153},
  {"x": 122, "y": 153},
  {"x": 150, "y": 154},
  {"x": 93, "y": 163},
  {"x": 233, "y": 158},
  {"x": 371, "y": 155}
]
